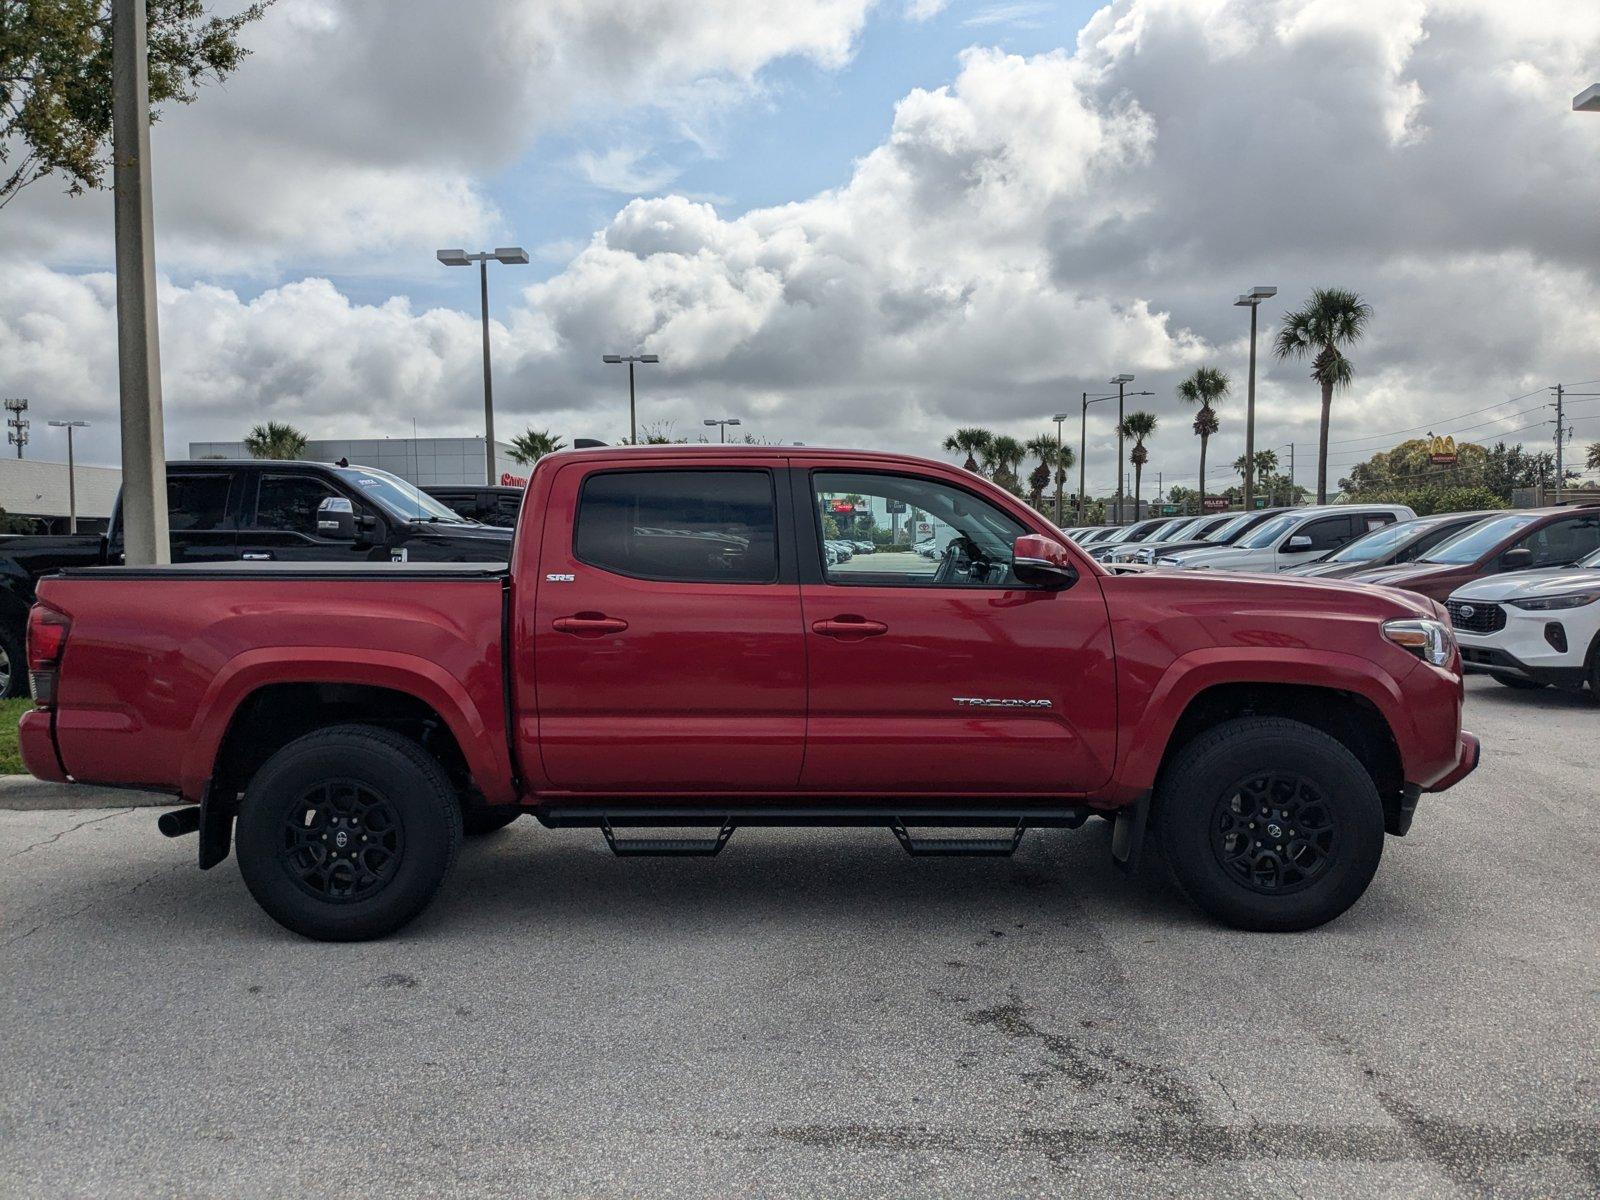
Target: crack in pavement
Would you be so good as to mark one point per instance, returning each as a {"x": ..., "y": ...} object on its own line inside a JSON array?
[{"x": 56, "y": 837}]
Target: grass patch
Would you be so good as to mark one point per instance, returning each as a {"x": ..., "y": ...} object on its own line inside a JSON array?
[{"x": 10, "y": 713}]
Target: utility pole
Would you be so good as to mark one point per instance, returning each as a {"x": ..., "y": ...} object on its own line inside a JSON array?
[
  {"x": 72, "y": 485},
  {"x": 1291, "y": 475},
  {"x": 144, "y": 458},
  {"x": 1159, "y": 477},
  {"x": 1121, "y": 381},
  {"x": 17, "y": 435},
  {"x": 1560, "y": 439}
]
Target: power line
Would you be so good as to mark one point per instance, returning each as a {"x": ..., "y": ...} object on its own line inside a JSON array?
[{"x": 1441, "y": 420}]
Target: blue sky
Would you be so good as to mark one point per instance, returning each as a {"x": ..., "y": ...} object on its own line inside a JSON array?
[{"x": 800, "y": 135}]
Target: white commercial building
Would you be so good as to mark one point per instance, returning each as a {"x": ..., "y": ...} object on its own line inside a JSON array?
[
  {"x": 38, "y": 491},
  {"x": 424, "y": 461}
]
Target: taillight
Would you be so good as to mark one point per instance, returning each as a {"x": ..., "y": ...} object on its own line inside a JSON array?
[{"x": 47, "y": 639}]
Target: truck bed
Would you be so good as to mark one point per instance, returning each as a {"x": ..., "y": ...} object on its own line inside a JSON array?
[{"x": 159, "y": 664}]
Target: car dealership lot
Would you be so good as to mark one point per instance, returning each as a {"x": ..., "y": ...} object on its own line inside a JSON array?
[{"x": 815, "y": 1013}]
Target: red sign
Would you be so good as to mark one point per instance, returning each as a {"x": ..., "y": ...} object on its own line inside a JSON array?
[
  {"x": 842, "y": 506},
  {"x": 1216, "y": 503},
  {"x": 507, "y": 479}
]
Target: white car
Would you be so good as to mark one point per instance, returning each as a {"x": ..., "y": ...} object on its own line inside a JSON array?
[
  {"x": 1532, "y": 628},
  {"x": 1289, "y": 539}
]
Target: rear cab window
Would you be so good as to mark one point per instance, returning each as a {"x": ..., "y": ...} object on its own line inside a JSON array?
[{"x": 679, "y": 526}]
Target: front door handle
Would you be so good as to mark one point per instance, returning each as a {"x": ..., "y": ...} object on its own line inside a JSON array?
[
  {"x": 849, "y": 627},
  {"x": 589, "y": 625},
  {"x": 255, "y": 557}
]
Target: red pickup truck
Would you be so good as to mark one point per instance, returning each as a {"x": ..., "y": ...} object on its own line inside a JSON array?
[{"x": 690, "y": 639}]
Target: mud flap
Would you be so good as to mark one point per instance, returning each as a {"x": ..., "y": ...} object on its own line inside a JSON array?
[
  {"x": 216, "y": 828},
  {"x": 1127, "y": 835}
]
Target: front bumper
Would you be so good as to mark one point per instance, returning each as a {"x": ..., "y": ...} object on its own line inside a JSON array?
[
  {"x": 1491, "y": 660},
  {"x": 1468, "y": 752}
]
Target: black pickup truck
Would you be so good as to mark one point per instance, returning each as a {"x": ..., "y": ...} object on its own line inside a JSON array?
[{"x": 255, "y": 509}]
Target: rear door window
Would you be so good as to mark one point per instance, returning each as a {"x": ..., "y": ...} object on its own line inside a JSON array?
[
  {"x": 198, "y": 502},
  {"x": 1329, "y": 533},
  {"x": 680, "y": 526}
]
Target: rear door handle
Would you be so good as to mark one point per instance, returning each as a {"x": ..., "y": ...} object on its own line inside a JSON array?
[
  {"x": 589, "y": 625},
  {"x": 255, "y": 557},
  {"x": 849, "y": 627}
]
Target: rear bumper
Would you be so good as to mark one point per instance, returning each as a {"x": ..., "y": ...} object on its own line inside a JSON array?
[
  {"x": 38, "y": 747},
  {"x": 1468, "y": 751}
]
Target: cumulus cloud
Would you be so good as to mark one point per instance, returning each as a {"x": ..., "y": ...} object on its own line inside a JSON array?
[{"x": 1017, "y": 237}]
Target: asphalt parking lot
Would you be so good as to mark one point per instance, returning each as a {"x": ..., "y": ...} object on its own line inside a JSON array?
[{"x": 813, "y": 1013}]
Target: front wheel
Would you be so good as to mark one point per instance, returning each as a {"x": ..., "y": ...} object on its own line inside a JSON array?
[
  {"x": 346, "y": 834},
  {"x": 1269, "y": 824}
]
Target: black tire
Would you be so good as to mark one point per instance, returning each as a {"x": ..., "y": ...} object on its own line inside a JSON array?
[
  {"x": 1235, "y": 870},
  {"x": 479, "y": 822},
  {"x": 354, "y": 781},
  {"x": 1517, "y": 683},
  {"x": 13, "y": 663}
]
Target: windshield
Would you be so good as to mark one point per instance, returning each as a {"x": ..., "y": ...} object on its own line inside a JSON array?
[
  {"x": 1377, "y": 543},
  {"x": 1170, "y": 528},
  {"x": 1592, "y": 561},
  {"x": 399, "y": 498},
  {"x": 1270, "y": 532},
  {"x": 1474, "y": 542},
  {"x": 1230, "y": 527}
]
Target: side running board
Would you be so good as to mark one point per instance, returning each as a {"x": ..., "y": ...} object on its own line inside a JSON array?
[
  {"x": 675, "y": 847},
  {"x": 1001, "y": 847}
]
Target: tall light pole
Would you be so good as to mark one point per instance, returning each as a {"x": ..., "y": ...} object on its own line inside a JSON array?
[
  {"x": 72, "y": 485},
  {"x": 1083, "y": 442},
  {"x": 633, "y": 410},
  {"x": 1060, "y": 470},
  {"x": 510, "y": 256},
  {"x": 1587, "y": 100},
  {"x": 1252, "y": 301},
  {"x": 1121, "y": 381},
  {"x": 144, "y": 454},
  {"x": 722, "y": 424}
]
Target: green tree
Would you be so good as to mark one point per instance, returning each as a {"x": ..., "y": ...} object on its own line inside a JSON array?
[
  {"x": 275, "y": 440},
  {"x": 1138, "y": 426},
  {"x": 1331, "y": 319},
  {"x": 1004, "y": 456},
  {"x": 1043, "y": 447},
  {"x": 1205, "y": 389},
  {"x": 55, "y": 80},
  {"x": 971, "y": 441},
  {"x": 529, "y": 446},
  {"x": 1592, "y": 460},
  {"x": 1266, "y": 463}
]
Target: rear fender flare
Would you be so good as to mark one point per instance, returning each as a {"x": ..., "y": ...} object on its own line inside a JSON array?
[{"x": 482, "y": 741}]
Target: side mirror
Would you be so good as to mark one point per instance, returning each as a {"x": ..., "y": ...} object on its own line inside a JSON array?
[
  {"x": 1298, "y": 544},
  {"x": 336, "y": 519},
  {"x": 1040, "y": 562},
  {"x": 1519, "y": 559}
]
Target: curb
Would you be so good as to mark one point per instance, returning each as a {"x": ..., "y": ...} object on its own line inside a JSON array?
[{"x": 26, "y": 794}]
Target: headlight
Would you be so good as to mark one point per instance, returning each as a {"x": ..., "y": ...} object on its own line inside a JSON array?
[
  {"x": 1565, "y": 600},
  {"x": 1431, "y": 641}
]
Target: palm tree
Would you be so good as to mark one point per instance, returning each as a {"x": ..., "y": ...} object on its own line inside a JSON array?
[
  {"x": 1331, "y": 318},
  {"x": 970, "y": 441},
  {"x": 1138, "y": 426},
  {"x": 529, "y": 446},
  {"x": 1043, "y": 447},
  {"x": 1266, "y": 463},
  {"x": 1206, "y": 388},
  {"x": 275, "y": 440},
  {"x": 1004, "y": 455}
]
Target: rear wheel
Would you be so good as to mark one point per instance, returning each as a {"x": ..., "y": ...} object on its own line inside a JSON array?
[
  {"x": 1518, "y": 683},
  {"x": 13, "y": 663},
  {"x": 1269, "y": 824},
  {"x": 347, "y": 833}
]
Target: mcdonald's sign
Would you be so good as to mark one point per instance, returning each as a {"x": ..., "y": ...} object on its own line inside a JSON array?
[{"x": 1442, "y": 451}]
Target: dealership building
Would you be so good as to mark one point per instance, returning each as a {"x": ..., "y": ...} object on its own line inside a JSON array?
[
  {"x": 37, "y": 492},
  {"x": 424, "y": 461}
]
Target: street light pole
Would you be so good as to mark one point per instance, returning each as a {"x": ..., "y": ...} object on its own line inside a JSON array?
[
  {"x": 1060, "y": 470},
  {"x": 144, "y": 456},
  {"x": 72, "y": 486},
  {"x": 722, "y": 424},
  {"x": 1083, "y": 442},
  {"x": 633, "y": 411},
  {"x": 1252, "y": 301},
  {"x": 510, "y": 256},
  {"x": 1121, "y": 381}
]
